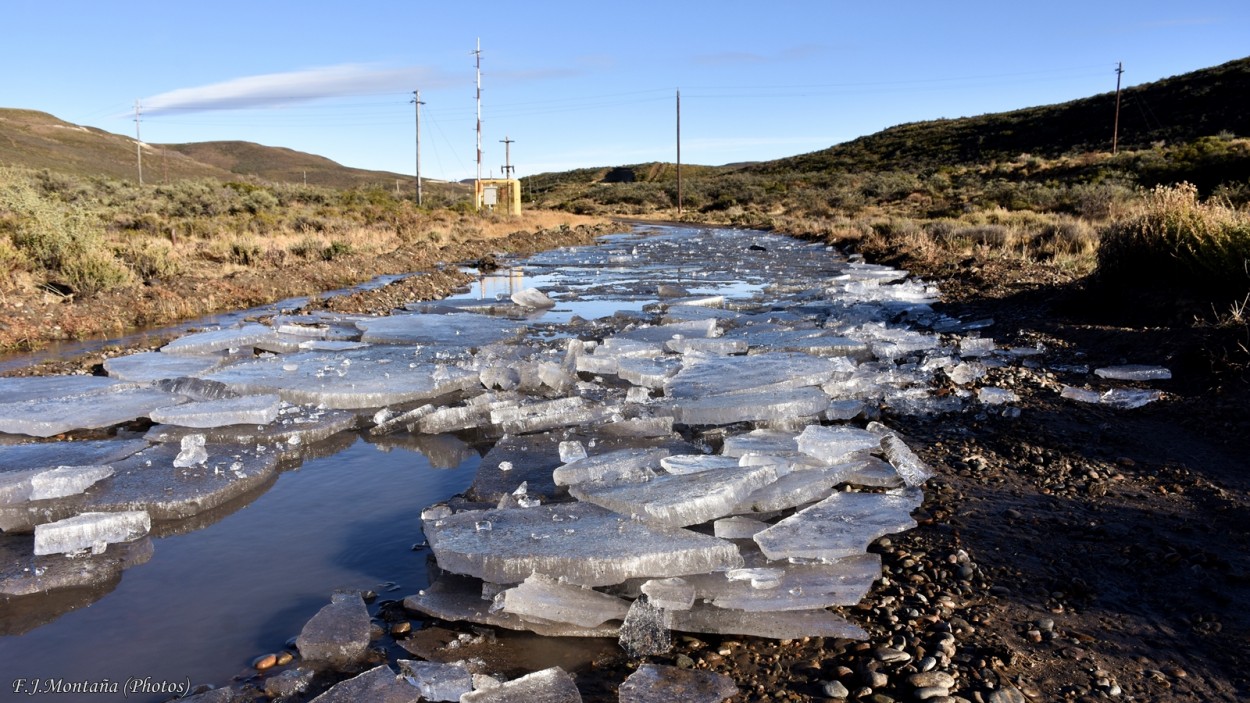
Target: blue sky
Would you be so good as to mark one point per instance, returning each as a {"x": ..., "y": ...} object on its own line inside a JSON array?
[{"x": 578, "y": 84}]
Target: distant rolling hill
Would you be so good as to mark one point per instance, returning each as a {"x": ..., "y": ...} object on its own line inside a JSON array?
[{"x": 37, "y": 140}]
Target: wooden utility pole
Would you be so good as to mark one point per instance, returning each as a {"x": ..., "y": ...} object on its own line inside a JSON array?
[
  {"x": 416, "y": 100},
  {"x": 507, "y": 156},
  {"x": 679, "y": 152},
  {"x": 138, "y": 143},
  {"x": 1115, "y": 131}
]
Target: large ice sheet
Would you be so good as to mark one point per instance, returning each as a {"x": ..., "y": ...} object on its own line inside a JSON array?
[
  {"x": 581, "y": 543},
  {"x": 437, "y": 681},
  {"x": 49, "y": 455},
  {"x": 459, "y": 598},
  {"x": 795, "y": 489},
  {"x": 361, "y": 378},
  {"x": 45, "y": 484},
  {"x": 221, "y": 339},
  {"x": 296, "y": 426},
  {"x": 458, "y": 329},
  {"x": 94, "y": 531},
  {"x": 679, "y": 500},
  {"x": 17, "y": 389},
  {"x": 619, "y": 464},
  {"x": 805, "y": 586},
  {"x": 45, "y": 417},
  {"x": 244, "y": 410},
  {"x": 146, "y": 367},
  {"x": 842, "y": 525}
]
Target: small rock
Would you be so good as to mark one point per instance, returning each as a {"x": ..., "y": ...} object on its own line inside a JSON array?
[
  {"x": 401, "y": 628},
  {"x": 889, "y": 655},
  {"x": 1005, "y": 695},
  {"x": 834, "y": 689},
  {"x": 265, "y": 661},
  {"x": 285, "y": 658},
  {"x": 930, "y": 679},
  {"x": 929, "y": 692},
  {"x": 288, "y": 683}
]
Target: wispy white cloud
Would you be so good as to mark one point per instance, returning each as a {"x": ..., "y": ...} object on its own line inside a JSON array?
[{"x": 282, "y": 89}]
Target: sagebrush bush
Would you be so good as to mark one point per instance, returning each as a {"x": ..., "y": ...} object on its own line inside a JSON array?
[{"x": 1177, "y": 240}]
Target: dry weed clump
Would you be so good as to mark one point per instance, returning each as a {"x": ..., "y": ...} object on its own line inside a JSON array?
[{"x": 1176, "y": 240}]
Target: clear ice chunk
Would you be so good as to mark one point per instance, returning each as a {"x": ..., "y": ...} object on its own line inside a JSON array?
[
  {"x": 19, "y": 388},
  {"x": 703, "y": 345},
  {"x": 976, "y": 346},
  {"x": 762, "y": 442},
  {"x": 657, "y": 683},
  {"x": 804, "y": 586},
  {"x": 718, "y": 375},
  {"x": 679, "y": 500},
  {"x": 192, "y": 452},
  {"x": 996, "y": 396},
  {"x": 1129, "y": 398},
  {"x": 646, "y": 630},
  {"x": 679, "y": 464},
  {"x": 544, "y": 598},
  {"x": 579, "y": 542},
  {"x": 244, "y": 410},
  {"x": 94, "y": 531},
  {"x": 1134, "y": 372},
  {"x": 842, "y": 525},
  {"x": 795, "y": 489},
  {"x": 459, "y": 598},
  {"x": 913, "y": 470},
  {"x": 552, "y": 685},
  {"x": 338, "y": 635},
  {"x": 377, "y": 684},
  {"x": 738, "y": 527},
  {"x": 836, "y": 443},
  {"x": 435, "y": 681},
  {"x": 45, "y": 484},
  {"x": 669, "y": 594}
]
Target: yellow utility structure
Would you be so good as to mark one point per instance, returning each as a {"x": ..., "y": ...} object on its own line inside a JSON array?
[{"x": 501, "y": 195}]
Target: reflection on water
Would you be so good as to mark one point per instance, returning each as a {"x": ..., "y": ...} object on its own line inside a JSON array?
[{"x": 210, "y": 600}]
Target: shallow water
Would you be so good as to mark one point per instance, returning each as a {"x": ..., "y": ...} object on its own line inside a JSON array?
[{"x": 210, "y": 600}]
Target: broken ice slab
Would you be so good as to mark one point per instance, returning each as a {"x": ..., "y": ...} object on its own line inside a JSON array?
[
  {"x": 688, "y": 313},
  {"x": 646, "y": 630},
  {"x": 718, "y": 375},
  {"x": 360, "y": 378},
  {"x": 795, "y": 489},
  {"x": 616, "y": 465},
  {"x": 679, "y": 464},
  {"x": 669, "y": 594},
  {"x": 94, "y": 531},
  {"x": 552, "y": 685},
  {"x": 379, "y": 684},
  {"x": 435, "y": 420},
  {"x": 872, "y": 472},
  {"x": 579, "y": 542},
  {"x": 785, "y": 625},
  {"x": 786, "y": 404},
  {"x": 458, "y": 329},
  {"x": 533, "y": 298},
  {"x": 149, "y": 481},
  {"x": 966, "y": 372},
  {"x": 338, "y": 635},
  {"x": 296, "y": 426},
  {"x": 220, "y": 340},
  {"x": 996, "y": 396},
  {"x": 1129, "y": 398},
  {"x": 547, "y": 415},
  {"x": 844, "y": 410},
  {"x": 804, "y": 586},
  {"x": 514, "y": 460},
  {"x": 718, "y": 345},
  {"x": 24, "y": 574},
  {"x": 976, "y": 346},
  {"x": 679, "y": 500},
  {"x": 541, "y": 598},
  {"x": 762, "y": 442},
  {"x": 836, "y": 443},
  {"x": 44, "y": 484},
  {"x": 657, "y": 683},
  {"x": 458, "y": 598},
  {"x": 1134, "y": 372},
  {"x": 17, "y": 389},
  {"x": 817, "y": 342},
  {"x": 45, "y": 417},
  {"x": 640, "y": 427},
  {"x": 1083, "y": 395},
  {"x": 192, "y": 452},
  {"x": 244, "y": 410},
  {"x": 435, "y": 681},
  {"x": 842, "y": 525},
  {"x": 913, "y": 470},
  {"x": 145, "y": 367}
]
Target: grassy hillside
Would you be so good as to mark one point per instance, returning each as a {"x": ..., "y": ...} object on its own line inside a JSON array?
[{"x": 37, "y": 140}]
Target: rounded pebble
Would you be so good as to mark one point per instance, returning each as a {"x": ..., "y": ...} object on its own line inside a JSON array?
[
  {"x": 265, "y": 661},
  {"x": 834, "y": 689}
]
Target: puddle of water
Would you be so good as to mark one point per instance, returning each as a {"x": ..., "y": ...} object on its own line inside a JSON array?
[{"x": 209, "y": 601}]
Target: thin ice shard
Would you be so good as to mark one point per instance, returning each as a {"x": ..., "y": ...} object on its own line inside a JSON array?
[
  {"x": 244, "y": 410},
  {"x": 219, "y": 340},
  {"x": 836, "y": 443},
  {"x": 720, "y": 375},
  {"x": 552, "y": 685},
  {"x": 1134, "y": 372},
  {"x": 110, "y": 406},
  {"x": 746, "y": 407},
  {"x": 544, "y": 598},
  {"x": 785, "y": 625},
  {"x": 616, "y": 465},
  {"x": 435, "y": 681}
]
